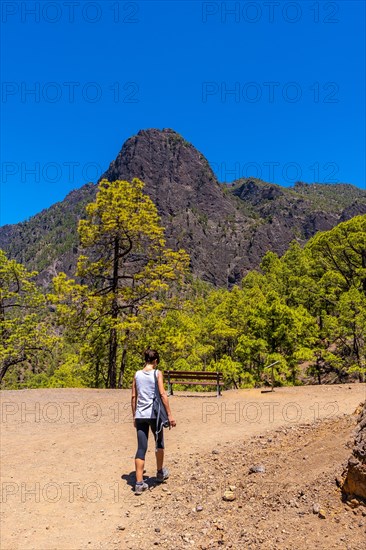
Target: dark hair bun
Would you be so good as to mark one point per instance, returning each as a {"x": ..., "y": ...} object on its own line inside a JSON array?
[{"x": 151, "y": 355}]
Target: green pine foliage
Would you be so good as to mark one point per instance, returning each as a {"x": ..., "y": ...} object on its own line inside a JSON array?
[
  {"x": 305, "y": 310},
  {"x": 26, "y": 337}
]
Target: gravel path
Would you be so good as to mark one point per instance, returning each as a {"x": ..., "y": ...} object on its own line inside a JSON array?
[{"x": 67, "y": 471}]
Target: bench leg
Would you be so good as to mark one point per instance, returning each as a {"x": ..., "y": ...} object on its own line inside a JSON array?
[{"x": 218, "y": 384}]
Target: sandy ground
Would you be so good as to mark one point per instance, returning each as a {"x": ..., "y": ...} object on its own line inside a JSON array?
[{"x": 67, "y": 471}]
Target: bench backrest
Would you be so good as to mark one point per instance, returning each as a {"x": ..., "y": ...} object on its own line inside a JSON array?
[{"x": 192, "y": 375}]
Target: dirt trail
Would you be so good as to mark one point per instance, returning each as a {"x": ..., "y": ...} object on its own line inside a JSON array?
[{"x": 67, "y": 461}]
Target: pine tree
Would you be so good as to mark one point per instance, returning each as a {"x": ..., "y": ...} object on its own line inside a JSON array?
[
  {"x": 23, "y": 329},
  {"x": 125, "y": 269}
]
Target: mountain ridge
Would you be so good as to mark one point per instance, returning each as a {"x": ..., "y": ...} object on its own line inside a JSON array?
[{"x": 226, "y": 228}]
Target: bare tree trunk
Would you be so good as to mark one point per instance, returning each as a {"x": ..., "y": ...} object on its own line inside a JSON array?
[
  {"x": 8, "y": 363},
  {"x": 123, "y": 367},
  {"x": 113, "y": 344},
  {"x": 112, "y": 361},
  {"x": 4, "y": 370},
  {"x": 96, "y": 378},
  {"x": 123, "y": 360}
]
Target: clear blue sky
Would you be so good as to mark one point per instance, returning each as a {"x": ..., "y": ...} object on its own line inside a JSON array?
[{"x": 101, "y": 71}]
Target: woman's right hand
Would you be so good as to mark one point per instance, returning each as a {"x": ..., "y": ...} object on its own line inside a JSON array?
[{"x": 172, "y": 422}]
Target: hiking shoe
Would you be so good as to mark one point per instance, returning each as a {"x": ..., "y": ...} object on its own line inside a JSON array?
[
  {"x": 140, "y": 488},
  {"x": 162, "y": 475}
]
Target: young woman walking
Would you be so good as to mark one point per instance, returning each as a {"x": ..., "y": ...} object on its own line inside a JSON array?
[{"x": 143, "y": 391}]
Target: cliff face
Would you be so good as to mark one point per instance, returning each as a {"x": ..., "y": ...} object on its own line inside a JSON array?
[
  {"x": 192, "y": 204},
  {"x": 48, "y": 241},
  {"x": 355, "y": 475},
  {"x": 225, "y": 228}
]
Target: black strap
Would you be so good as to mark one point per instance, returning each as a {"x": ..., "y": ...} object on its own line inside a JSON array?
[{"x": 157, "y": 395}]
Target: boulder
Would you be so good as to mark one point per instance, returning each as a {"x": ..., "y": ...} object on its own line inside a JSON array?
[{"x": 355, "y": 473}]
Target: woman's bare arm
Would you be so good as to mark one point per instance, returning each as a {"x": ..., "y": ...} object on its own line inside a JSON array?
[{"x": 133, "y": 399}]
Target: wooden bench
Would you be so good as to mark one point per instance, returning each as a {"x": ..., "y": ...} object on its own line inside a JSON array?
[{"x": 193, "y": 378}]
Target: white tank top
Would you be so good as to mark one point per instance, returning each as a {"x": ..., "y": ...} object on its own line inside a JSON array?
[{"x": 145, "y": 385}]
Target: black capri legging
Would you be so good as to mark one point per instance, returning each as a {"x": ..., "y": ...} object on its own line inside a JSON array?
[{"x": 142, "y": 427}]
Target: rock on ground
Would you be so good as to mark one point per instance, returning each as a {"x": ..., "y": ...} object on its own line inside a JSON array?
[{"x": 355, "y": 475}]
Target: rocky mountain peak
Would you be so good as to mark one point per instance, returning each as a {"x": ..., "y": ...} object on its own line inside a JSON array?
[
  {"x": 173, "y": 170},
  {"x": 226, "y": 229}
]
